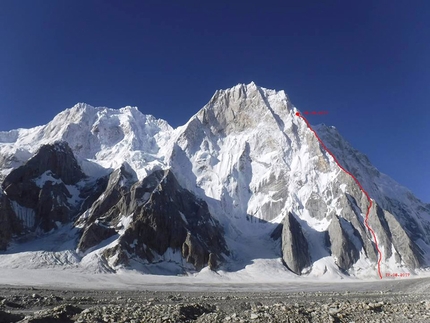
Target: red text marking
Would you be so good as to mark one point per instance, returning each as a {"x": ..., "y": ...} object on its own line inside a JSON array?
[
  {"x": 397, "y": 275},
  {"x": 366, "y": 219},
  {"x": 316, "y": 112}
]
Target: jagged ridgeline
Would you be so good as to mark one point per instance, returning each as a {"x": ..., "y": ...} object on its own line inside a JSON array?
[{"x": 244, "y": 182}]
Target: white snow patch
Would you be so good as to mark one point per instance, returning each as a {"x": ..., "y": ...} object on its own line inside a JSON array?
[
  {"x": 45, "y": 177},
  {"x": 124, "y": 223},
  {"x": 183, "y": 217}
]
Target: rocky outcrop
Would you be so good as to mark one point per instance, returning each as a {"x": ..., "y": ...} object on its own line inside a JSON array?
[
  {"x": 118, "y": 186},
  {"x": 151, "y": 217},
  {"x": 168, "y": 216},
  {"x": 57, "y": 158},
  {"x": 353, "y": 211},
  {"x": 342, "y": 247},
  {"x": 52, "y": 206},
  {"x": 394, "y": 240},
  {"x": 409, "y": 253},
  {"x": 39, "y": 187},
  {"x": 100, "y": 219},
  {"x": 93, "y": 235},
  {"x": 295, "y": 251},
  {"x": 92, "y": 191}
]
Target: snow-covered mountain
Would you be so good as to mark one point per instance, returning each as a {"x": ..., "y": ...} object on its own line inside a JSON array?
[
  {"x": 243, "y": 186},
  {"x": 98, "y": 137}
]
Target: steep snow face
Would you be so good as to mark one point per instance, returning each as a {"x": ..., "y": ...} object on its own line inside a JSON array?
[
  {"x": 248, "y": 150},
  {"x": 107, "y": 137}
]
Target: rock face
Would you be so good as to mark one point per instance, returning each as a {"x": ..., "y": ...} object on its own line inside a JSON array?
[
  {"x": 107, "y": 209},
  {"x": 166, "y": 216},
  {"x": 153, "y": 215},
  {"x": 394, "y": 239},
  {"x": 9, "y": 224},
  {"x": 341, "y": 245},
  {"x": 57, "y": 158},
  {"x": 93, "y": 235},
  {"x": 295, "y": 249},
  {"x": 39, "y": 187}
]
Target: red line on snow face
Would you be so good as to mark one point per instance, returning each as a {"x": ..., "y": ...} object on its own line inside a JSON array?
[{"x": 359, "y": 185}]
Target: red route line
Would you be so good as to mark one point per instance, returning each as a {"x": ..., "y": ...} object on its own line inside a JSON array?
[{"x": 359, "y": 185}]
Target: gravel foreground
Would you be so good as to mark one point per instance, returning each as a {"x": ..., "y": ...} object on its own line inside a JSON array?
[{"x": 398, "y": 302}]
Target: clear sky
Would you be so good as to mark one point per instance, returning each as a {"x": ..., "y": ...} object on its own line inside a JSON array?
[{"x": 365, "y": 62}]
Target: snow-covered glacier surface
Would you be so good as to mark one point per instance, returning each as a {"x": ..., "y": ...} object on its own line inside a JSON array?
[{"x": 253, "y": 161}]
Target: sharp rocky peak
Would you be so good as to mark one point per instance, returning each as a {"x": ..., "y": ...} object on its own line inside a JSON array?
[
  {"x": 243, "y": 91},
  {"x": 245, "y": 107}
]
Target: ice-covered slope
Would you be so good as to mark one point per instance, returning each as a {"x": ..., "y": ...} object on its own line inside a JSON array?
[{"x": 280, "y": 198}]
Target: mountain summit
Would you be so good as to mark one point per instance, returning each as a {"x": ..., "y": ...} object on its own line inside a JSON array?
[{"x": 243, "y": 185}]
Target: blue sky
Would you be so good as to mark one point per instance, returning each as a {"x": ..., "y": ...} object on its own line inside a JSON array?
[{"x": 365, "y": 62}]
